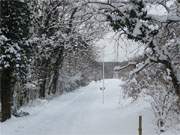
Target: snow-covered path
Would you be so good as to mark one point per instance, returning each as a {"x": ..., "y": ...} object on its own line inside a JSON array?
[{"x": 82, "y": 113}]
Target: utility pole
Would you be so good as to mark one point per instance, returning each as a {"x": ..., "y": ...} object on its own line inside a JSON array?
[
  {"x": 117, "y": 64},
  {"x": 103, "y": 85},
  {"x": 103, "y": 78},
  {"x": 117, "y": 55}
]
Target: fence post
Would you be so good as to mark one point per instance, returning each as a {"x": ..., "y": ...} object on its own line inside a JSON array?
[{"x": 140, "y": 125}]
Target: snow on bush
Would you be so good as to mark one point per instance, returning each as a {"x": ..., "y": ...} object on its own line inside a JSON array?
[{"x": 153, "y": 81}]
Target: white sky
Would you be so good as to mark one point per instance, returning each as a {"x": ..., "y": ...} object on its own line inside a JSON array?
[{"x": 126, "y": 49}]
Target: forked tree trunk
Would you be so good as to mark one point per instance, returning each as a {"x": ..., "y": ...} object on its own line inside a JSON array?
[
  {"x": 57, "y": 66},
  {"x": 6, "y": 94},
  {"x": 44, "y": 75},
  {"x": 173, "y": 76}
]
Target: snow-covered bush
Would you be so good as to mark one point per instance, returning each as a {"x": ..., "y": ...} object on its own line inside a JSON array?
[
  {"x": 131, "y": 89},
  {"x": 154, "y": 82},
  {"x": 164, "y": 105}
]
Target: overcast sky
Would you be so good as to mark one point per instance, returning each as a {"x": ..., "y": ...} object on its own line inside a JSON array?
[{"x": 126, "y": 48}]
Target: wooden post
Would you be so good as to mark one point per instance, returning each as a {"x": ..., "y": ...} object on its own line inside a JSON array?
[{"x": 140, "y": 125}]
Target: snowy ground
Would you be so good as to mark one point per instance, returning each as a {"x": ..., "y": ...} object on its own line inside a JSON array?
[{"x": 82, "y": 113}]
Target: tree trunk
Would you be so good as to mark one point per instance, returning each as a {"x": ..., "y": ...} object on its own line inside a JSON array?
[
  {"x": 55, "y": 81},
  {"x": 6, "y": 94},
  {"x": 42, "y": 91},
  {"x": 57, "y": 66},
  {"x": 174, "y": 77},
  {"x": 44, "y": 74}
]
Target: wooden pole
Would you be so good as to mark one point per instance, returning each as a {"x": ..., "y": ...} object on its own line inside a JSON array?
[
  {"x": 103, "y": 87},
  {"x": 140, "y": 125}
]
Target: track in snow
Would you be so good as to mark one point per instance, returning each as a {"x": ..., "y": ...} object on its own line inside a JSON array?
[{"x": 82, "y": 113}]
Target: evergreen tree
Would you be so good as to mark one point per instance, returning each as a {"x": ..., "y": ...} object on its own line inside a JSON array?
[{"x": 14, "y": 50}]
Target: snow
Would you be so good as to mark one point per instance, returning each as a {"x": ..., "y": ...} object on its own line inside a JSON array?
[
  {"x": 137, "y": 30},
  {"x": 82, "y": 113},
  {"x": 118, "y": 68}
]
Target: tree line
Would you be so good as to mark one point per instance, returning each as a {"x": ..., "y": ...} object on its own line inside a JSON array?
[{"x": 46, "y": 48}]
